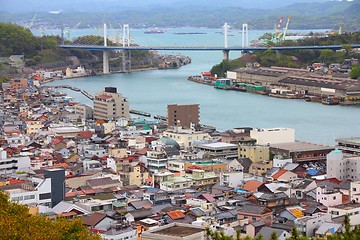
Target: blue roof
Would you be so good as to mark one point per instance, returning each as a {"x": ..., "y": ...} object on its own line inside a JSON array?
[
  {"x": 241, "y": 191},
  {"x": 313, "y": 172}
]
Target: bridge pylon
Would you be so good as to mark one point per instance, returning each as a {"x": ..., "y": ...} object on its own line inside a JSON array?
[
  {"x": 106, "y": 69},
  {"x": 126, "y": 55}
]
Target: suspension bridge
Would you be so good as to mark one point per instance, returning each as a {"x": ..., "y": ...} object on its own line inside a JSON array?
[{"x": 124, "y": 44}]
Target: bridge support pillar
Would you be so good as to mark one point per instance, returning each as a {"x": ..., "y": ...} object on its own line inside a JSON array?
[
  {"x": 126, "y": 61},
  {"x": 226, "y": 54},
  {"x": 106, "y": 62}
]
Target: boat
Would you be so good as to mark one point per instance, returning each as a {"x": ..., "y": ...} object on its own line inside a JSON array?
[
  {"x": 331, "y": 100},
  {"x": 154, "y": 31},
  {"x": 183, "y": 33}
]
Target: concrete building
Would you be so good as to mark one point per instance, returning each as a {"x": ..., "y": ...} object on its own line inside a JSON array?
[
  {"x": 16, "y": 84},
  {"x": 175, "y": 231},
  {"x": 307, "y": 225},
  {"x": 13, "y": 164},
  {"x": 301, "y": 151},
  {"x": 328, "y": 196},
  {"x": 266, "y": 136},
  {"x": 110, "y": 104},
  {"x": 183, "y": 115},
  {"x": 355, "y": 191},
  {"x": 231, "y": 178},
  {"x": 218, "y": 149},
  {"x": 342, "y": 167},
  {"x": 84, "y": 111},
  {"x": 349, "y": 145},
  {"x": 156, "y": 161},
  {"x": 256, "y": 153},
  {"x": 352, "y": 209},
  {"x": 185, "y": 137}
]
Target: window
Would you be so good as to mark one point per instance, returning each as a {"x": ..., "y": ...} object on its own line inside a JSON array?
[
  {"x": 29, "y": 197},
  {"x": 43, "y": 196}
]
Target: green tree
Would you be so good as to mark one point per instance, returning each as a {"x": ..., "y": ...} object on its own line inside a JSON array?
[
  {"x": 17, "y": 223},
  {"x": 273, "y": 236},
  {"x": 355, "y": 71}
]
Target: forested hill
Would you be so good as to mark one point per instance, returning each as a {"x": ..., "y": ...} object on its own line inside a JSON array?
[{"x": 305, "y": 15}]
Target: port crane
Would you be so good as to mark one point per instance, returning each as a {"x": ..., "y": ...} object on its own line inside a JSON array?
[{"x": 31, "y": 23}]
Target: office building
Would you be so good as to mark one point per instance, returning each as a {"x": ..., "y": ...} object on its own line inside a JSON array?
[
  {"x": 110, "y": 104},
  {"x": 183, "y": 115}
]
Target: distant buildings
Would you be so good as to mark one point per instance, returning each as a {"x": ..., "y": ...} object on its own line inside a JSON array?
[
  {"x": 110, "y": 104},
  {"x": 343, "y": 167},
  {"x": 183, "y": 115}
]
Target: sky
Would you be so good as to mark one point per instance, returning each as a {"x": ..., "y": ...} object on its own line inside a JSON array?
[{"x": 121, "y": 5}]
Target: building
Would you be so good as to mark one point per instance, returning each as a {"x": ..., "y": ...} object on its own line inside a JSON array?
[
  {"x": 355, "y": 191},
  {"x": 328, "y": 196},
  {"x": 156, "y": 161},
  {"x": 33, "y": 127},
  {"x": 57, "y": 176},
  {"x": 219, "y": 149},
  {"x": 349, "y": 145},
  {"x": 110, "y": 104},
  {"x": 21, "y": 83},
  {"x": 342, "y": 167},
  {"x": 307, "y": 225},
  {"x": 256, "y": 153},
  {"x": 84, "y": 111},
  {"x": 183, "y": 115},
  {"x": 175, "y": 231},
  {"x": 301, "y": 151},
  {"x": 352, "y": 209},
  {"x": 231, "y": 178},
  {"x": 266, "y": 136},
  {"x": 185, "y": 137},
  {"x": 13, "y": 164}
]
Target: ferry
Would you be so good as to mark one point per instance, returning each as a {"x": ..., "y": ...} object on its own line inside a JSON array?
[{"x": 154, "y": 31}]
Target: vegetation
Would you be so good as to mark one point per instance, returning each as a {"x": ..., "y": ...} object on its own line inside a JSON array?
[
  {"x": 348, "y": 234},
  {"x": 17, "y": 223},
  {"x": 355, "y": 72}
]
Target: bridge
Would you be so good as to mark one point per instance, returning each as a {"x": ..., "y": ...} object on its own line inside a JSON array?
[{"x": 125, "y": 47}]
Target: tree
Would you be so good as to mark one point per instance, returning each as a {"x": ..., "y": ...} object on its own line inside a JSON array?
[
  {"x": 17, "y": 223},
  {"x": 273, "y": 236},
  {"x": 355, "y": 72}
]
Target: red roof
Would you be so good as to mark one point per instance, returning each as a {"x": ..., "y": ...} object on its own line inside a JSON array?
[
  {"x": 84, "y": 134},
  {"x": 206, "y": 73},
  {"x": 55, "y": 141},
  {"x": 208, "y": 197},
  {"x": 103, "y": 96},
  {"x": 279, "y": 173},
  {"x": 252, "y": 185},
  {"x": 14, "y": 181},
  {"x": 177, "y": 214}
]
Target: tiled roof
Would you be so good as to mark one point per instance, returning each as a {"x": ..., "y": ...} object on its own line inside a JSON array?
[
  {"x": 93, "y": 219},
  {"x": 252, "y": 185},
  {"x": 279, "y": 173},
  {"x": 176, "y": 214}
]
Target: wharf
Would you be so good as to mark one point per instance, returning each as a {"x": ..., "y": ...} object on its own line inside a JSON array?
[{"x": 141, "y": 113}]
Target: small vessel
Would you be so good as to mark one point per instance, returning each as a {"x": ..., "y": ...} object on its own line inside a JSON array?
[{"x": 154, "y": 31}]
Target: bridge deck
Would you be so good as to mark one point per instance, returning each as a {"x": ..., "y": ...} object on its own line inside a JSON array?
[{"x": 200, "y": 48}]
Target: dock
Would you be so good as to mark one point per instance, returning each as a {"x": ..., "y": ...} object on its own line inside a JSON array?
[{"x": 141, "y": 113}]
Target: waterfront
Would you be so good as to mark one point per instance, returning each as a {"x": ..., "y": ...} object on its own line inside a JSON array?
[{"x": 151, "y": 91}]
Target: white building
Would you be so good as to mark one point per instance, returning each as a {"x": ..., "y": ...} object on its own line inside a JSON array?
[
  {"x": 342, "y": 167},
  {"x": 231, "y": 178},
  {"x": 308, "y": 224},
  {"x": 266, "y": 136},
  {"x": 156, "y": 161},
  {"x": 352, "y": 209},
  {"x": 355, "y": 191},
  {"x": 328, "y": 196},
  {"x": 13, "y": 164}
]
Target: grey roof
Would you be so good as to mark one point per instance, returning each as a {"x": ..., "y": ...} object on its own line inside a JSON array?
[
  {"x": 141, "y": 213},
  {"x": 197, "y": 211},
  {"x": 258, "y": 224},
  {"x": 333, "y": 227},
  {"x": 304, "y": 184},
  {"x": 102, "y": 181},
  {"x": 267, "y": 231},
  {"x": 253, "y": 209},
  {"x": 140, "y": 204}
]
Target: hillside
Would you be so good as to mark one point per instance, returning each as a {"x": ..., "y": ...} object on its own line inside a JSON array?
[{"x": 305, "y": 15}]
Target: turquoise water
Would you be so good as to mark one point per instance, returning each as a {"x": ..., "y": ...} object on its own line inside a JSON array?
[{"x": 151, "y": 91}]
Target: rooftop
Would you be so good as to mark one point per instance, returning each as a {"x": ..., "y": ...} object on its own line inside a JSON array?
[
  {"x": 347, "y": 206},
  {"x": 298, "y": 146},
  {"x": 355, "y": 140},
  {"x": 178, "y": 231}
]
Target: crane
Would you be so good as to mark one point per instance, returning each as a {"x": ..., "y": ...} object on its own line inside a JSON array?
[
  {"x": 286, "y": 28},
  {"x": 31, "y": 23}
]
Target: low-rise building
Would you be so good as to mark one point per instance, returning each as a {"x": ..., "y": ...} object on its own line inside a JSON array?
[
  {"x": 307, "y": 225},
  {"x": 342, "y": 167},
  {"x": 352, "y": 209},
  {"x": 266, "y": 136},
  {"x": 218, "y": 150}
]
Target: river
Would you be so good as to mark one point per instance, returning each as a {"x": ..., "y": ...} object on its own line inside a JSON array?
[{"x": 151, "y": 91}]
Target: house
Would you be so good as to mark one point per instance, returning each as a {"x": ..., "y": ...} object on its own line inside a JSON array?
[
  {"x": 97, "y": 220},
  {"x": 271, "y": 200},
  {"x": 328, "y": 196},
  {"x": 328, "y": 229},
  {"x": 292, "y": 213},
  {"x": 252, "y": 185},
  {"x": 307, "y": 225},
  {"x": 352, "y": 209},
  {"x": 266, "y": 233},
  {"x": 256, "y": 213},
  {"x": 284, "y": 176}
]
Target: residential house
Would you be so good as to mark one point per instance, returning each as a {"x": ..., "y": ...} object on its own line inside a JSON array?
[
  {"x": 352, "y": 209},
  {"x": 308, "y": 225},
  {"x": 256, "y": 213}
]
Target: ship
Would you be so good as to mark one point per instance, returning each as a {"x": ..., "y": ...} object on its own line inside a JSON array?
[{"x": 154, "y": 31}]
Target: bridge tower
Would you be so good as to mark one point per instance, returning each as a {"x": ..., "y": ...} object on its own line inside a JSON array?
[
  {"x": 245, "y": 35},
  {"x": 126, "y": 55},
  {"x": 226, "y": 52},
  {"x": 105, "y": 54}
]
